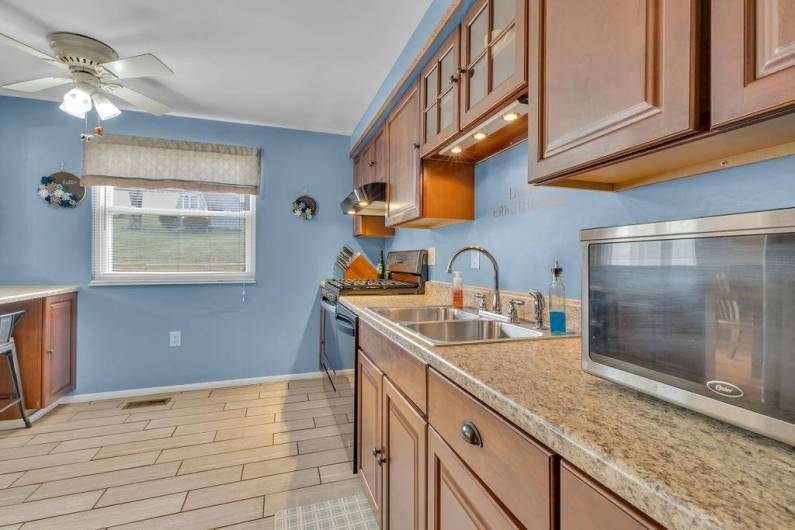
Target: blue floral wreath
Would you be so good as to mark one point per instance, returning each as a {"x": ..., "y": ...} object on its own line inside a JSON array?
[
  {"x": 304, "y": 207},
  {"x": 55, "y": 194}
]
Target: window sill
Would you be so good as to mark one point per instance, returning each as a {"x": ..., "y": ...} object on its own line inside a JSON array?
[{"x": 102, "y": 282}]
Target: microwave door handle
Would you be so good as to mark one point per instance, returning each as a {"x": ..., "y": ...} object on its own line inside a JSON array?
[{"x": 346, "y": 326}]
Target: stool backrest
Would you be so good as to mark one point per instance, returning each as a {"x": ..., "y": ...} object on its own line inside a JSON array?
[{"x": 7, "y": 323}]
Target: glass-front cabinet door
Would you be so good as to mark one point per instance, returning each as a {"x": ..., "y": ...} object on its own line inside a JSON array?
[
  {"x": 494, "y": 38},
  {"x": 439, "y": 95}
]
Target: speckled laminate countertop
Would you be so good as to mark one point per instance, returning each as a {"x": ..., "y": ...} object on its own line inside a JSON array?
[
  {"x": 683, "y": 469},
  {"x": 19, "y": 293}
]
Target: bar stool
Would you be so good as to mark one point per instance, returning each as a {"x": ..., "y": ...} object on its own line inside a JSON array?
[{"x": 9, "y": 351}]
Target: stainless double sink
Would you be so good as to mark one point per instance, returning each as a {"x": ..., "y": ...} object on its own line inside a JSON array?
[{"x": 442, "y": 325}]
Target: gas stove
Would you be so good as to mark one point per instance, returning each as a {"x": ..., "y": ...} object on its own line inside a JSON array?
[{"x": 406, "y": 273}]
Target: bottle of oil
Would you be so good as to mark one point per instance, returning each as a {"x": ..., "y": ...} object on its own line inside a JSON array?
[{"x": 557, "y": 302}]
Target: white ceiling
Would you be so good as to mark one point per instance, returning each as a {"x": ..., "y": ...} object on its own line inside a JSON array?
[{"x": 301, "y": 64}]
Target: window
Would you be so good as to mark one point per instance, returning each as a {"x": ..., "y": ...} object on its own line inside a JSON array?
[{"x": 162, "y": 236}]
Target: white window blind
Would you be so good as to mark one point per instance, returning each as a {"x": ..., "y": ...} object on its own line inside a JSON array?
[{"x": 162, "y": 236}]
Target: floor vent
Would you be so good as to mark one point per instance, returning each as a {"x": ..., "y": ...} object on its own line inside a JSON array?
[{"x": 146, "y": 403}]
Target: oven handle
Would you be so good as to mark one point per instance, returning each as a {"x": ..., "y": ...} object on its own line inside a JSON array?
[
  {"x": 328, "y": 307},
  {"x": 346, "y": 326}
]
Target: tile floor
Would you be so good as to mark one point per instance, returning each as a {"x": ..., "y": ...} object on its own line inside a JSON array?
[{"x": 226, "y": 458}]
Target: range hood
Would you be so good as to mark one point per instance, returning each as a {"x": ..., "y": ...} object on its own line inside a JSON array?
[{"x": 369, "y": 199}]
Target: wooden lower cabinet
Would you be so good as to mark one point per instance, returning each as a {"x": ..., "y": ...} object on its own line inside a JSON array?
[
  {"x": 58, "y": 369},
  {"x": 462, "y": 466},
  {"x": 456, "y": 498},
  {"x": 370, "y": 449},
  {"x": 49, "y": 325},
  {"x": 403, "y": 434},
  {"x": 587, "y": 505}
]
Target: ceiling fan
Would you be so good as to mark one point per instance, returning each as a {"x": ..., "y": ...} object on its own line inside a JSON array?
[{"x": 94, "y": 69}]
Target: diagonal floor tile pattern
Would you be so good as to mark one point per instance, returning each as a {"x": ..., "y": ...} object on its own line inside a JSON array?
[{"x": 224, "y": 458}]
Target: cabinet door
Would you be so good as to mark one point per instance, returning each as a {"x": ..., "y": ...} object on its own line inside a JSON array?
[
  {"x": 753, "y": 58},
  {"x": 586, "y": 505},
  {"x": 404, "y": 440},
  {"x": 608, "y": 78},
  {"x": 404, "y": 190},
  {"x": 368, "y": 164},
  {"x": 358, "y": 172},
  {"x": 59, "y": 346},
  {"x": 494, "y": 43},
  {"x": 456, "y": 499},
  {"x": 380, "y": 156},
  {"x": 27, "y": 337},
  {"x": 369, "y": 444},
  {"x": 439, "y": 95}
]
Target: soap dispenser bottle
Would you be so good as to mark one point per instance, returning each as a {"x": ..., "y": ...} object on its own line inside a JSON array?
[
  {"x": 557, "y": 302},
  {"x": 458, "y": 290}
]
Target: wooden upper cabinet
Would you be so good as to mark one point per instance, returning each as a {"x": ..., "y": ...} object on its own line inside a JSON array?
[
  {"x": 368, "y": 164},
  {"x": 404, "y": 433},
  {"x": 609, "y": 78},
  {"x": 370, "y": 449},
  {"x": 404, "y": 189},
  {"x": 456, "y": 498},
  {"x": 494, "y": 56},
  {"x": 58, "y": 374},
  {"x": 439, "y": 95},
  {"x": 380, "y": 153},
  {"x": 753, "y": 58}
]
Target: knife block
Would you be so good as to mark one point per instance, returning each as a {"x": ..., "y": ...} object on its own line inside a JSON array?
[{"x": 360, "y": 268}]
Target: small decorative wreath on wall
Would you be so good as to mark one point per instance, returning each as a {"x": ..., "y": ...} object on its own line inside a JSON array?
[
  {"x": 61, "y": 190},
  {"x": 305, "y": 207}
]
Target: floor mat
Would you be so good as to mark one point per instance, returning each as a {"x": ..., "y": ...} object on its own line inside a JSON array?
[{"x": 346, "y": 513}]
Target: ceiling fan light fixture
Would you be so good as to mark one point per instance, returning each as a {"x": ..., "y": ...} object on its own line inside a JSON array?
[
  {"x": 76, "y": 102},
  {"x": 105, "y": 107}
]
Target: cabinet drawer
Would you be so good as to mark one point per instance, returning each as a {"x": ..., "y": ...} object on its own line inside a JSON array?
[
  {"x": 586, "y": 505},
  {"x": 404, "y": 370},
  {"x": 518, "y": 471}
]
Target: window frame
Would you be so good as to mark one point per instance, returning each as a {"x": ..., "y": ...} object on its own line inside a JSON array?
[{"x": 102, "y": 246}]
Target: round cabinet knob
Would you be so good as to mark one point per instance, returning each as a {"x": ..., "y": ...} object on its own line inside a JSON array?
[
  {"x": 376, "y": 452},
  {"x": 453, "y": 79},
  {"x": 471, "y": 434}
]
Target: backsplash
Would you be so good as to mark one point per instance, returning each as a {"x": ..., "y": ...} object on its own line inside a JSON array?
[
  {"x": 528, "y": 228},
  {"x": 442, "y": 293}
]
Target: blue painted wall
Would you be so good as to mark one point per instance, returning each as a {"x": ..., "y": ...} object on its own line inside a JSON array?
[
  {"x": 123, "y": 331},
  {"x": 527, "y": 228}
]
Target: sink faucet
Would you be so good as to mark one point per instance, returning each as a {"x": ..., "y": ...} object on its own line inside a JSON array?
[
  {"x": 496, "y": 305},
  {"x": 538, "y": 301}
]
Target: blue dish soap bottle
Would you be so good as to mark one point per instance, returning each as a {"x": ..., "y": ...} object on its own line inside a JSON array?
[{"x": 557, "y": 302}]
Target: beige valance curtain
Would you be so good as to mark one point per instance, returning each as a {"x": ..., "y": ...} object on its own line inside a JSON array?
[{"x": 134, "y": 161}]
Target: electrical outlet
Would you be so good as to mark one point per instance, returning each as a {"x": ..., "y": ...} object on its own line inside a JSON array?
[
  {"x": 431, "y": 256},
  {"x": 174, "y": 338},
  {"x": 474, "y": 260}
]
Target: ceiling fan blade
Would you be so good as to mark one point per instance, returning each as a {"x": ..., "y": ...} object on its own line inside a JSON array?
[
  {"x": 146, "y": 65},
  {"x": 136, "y": 98},
  {"x": 5, "y": 39},
  {"x": 36, "y": 85}
]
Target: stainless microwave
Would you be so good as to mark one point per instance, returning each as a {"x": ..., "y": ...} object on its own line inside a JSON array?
[{"x": 697, "y": 312}]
